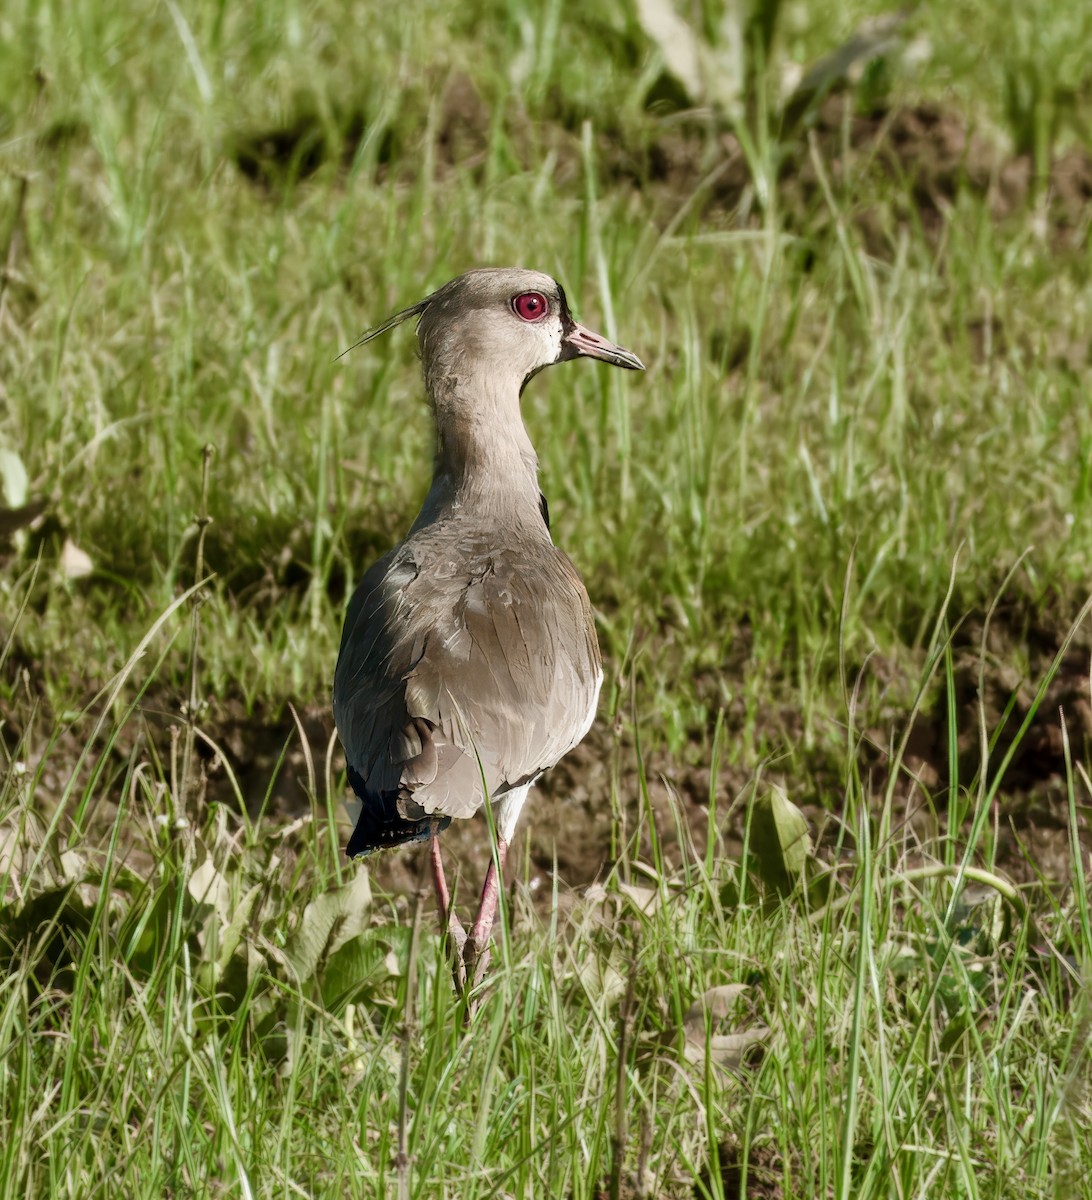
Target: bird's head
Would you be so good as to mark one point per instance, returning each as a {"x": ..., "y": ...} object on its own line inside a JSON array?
[{"x": 508, "y": 321}]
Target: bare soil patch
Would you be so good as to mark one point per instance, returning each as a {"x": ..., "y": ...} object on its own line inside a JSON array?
[
  {"x": 930, "y": 152},
  {"x": 757, "y": 1178}
]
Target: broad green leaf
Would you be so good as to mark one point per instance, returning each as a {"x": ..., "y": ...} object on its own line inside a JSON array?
[
  {"x": 328, "y": 922},
  {"x": 780, "y": 843},
  {"x": 366, "y": 961},
  {"x": 233, "y": 933}
]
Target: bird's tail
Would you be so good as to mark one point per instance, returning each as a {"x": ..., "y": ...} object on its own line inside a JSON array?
[{"x": 381, "y": 826}]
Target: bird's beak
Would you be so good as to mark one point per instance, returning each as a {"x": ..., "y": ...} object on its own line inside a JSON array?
[{"x": 579, "y": 342}]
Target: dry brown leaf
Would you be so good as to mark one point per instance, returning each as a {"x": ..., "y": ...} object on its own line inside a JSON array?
[
  {"x": 676, "y": 41},
  {"x": 603, "y": 981},
  {"x": 645, "y": 900},
  {"x": 717, "y": 1002},
  {"x": 725, "y": 1050},
  {"x": 208, "y": 886},
  {"x": 708, "y": 74},
  {"x": 75, "y": 563}
]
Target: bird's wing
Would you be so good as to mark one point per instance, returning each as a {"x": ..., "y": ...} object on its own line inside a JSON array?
[{"x": 489, "y": 667}]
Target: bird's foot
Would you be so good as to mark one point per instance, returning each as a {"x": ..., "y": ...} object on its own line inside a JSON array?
[
  {"x": 469, "y": 954},
  {"x": 456, "y": 951},
  {"x": 476, "y": 956},
  {"x": 476, "y": 952},
  {"x": 469, "y": 961}
]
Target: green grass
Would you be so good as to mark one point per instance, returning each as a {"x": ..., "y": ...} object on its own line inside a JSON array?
[{"x": 864, "y": 427}]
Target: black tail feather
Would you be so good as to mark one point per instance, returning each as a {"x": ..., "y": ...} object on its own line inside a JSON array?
[{"x": 381, "y": 826}]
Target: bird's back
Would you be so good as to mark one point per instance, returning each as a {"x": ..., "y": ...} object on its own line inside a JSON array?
[{"x": 469, "y": 656}]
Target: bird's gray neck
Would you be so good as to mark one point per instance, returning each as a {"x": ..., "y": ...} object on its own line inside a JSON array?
[{"x": 485, "y": 464}]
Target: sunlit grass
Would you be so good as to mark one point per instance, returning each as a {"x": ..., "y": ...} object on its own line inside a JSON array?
[
  {"x": 859, "y": 431},
  {"x": 216, "y": 1003}
]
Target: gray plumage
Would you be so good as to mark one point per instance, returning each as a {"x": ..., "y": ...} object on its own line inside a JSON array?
[{"x": 469, "y": 655}]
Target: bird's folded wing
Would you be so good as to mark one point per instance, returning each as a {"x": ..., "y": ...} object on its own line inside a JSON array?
[{"x": 486, "y": 674}]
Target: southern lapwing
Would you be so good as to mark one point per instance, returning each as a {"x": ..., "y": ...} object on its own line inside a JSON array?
[{"x": 469, "y": 662}]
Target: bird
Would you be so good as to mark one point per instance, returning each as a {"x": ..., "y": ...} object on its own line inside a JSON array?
[{"x": 469, "y": 662}]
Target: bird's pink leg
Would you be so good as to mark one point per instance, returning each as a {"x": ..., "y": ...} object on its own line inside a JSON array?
[
  {"x": 475, "y": 954},
  {"x": 443, "y": 896},
  {"x": 448, "y": 917}
]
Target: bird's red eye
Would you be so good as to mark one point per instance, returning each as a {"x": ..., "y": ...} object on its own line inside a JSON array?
[{"x": 530, "y": 306}]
